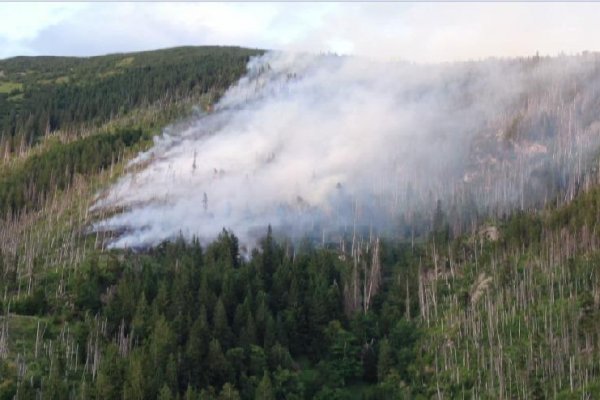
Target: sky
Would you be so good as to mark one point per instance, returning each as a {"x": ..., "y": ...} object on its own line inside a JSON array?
[{"x": 420, "y": 32}]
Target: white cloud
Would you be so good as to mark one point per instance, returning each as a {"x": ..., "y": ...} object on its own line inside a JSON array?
[
  {"x": 432, "y": 32},
  {"x": 414, "y": 31},
  {"x": 24, "y": 21}
]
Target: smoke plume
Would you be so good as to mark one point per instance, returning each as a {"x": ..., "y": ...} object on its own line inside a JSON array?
[{"x": 323, "y": 144}]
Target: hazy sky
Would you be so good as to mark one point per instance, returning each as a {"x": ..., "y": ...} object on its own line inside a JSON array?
[{"x": 411, "y": 31}]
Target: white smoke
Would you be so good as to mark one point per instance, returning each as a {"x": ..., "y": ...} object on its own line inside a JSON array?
[{"x": 306, "y": 142}]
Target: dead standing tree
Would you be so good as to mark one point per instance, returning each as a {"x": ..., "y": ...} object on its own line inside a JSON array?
[{"x": 364, "y": 279}]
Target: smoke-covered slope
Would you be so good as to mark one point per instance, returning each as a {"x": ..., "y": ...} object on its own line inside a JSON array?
[
  {"x": 318, "y": 145},
  {"x": 502, "y": 308}
]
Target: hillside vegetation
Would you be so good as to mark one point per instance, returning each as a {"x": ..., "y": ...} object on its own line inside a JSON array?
[
  {"x": 41, "y": 95},
  {"x": 509, "y": 308}
]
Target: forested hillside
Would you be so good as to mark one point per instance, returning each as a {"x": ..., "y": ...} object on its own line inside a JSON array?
[
  {"x": 508, "y": 307},
  {"x": 40, "y": 95}
]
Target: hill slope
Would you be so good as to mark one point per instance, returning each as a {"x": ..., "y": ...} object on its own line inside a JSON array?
[
  {"x": 506, "y": 309},
  {"x": 40, "y": 95}
]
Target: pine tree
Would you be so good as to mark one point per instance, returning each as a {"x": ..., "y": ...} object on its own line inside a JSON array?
[
  {"x": 248, "y": 334},
  {"x": 385, "y": 360},
  {"x": 219, "y": 367},
  {"x": 229, "y": 392},
  {"x": 165, "y": 393},
  {"x": 136, "y": 383},
  {"x": 268, "y": 262},
  {"x": 190, "y": 394},
  {"x": 141, "y": 318},
  {"x": 110, "y": 374},
  {"x": 264, "y": 391},
  {"x": 197, "y": 348}
]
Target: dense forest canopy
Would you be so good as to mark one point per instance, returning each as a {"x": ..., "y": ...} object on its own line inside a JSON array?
[{"x": 39, "y": 95}]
